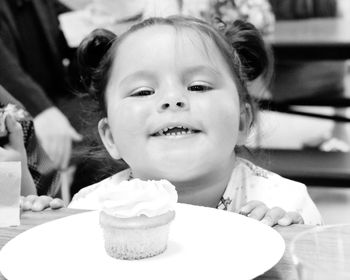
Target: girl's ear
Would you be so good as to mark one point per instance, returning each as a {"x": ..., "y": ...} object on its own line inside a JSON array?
[
  {"x": 107, "y": 138},
  {"x": 245, "y": 122}
]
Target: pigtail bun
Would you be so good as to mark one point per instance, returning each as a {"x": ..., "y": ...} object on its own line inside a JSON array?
[
  {"x": 254, "y": 55},
  {"x": 91, "y": 52}
]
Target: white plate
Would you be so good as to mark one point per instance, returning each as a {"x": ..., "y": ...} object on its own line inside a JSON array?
[{"x": 204, "y": 243}]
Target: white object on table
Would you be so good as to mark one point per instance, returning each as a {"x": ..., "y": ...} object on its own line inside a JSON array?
[{"x": 10, "y": 190}]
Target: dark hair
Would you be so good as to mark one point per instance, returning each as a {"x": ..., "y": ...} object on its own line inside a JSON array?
[{"x": 239, "y": 42}]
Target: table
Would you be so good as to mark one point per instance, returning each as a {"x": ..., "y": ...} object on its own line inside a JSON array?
[{"x": 283, "y": 270}]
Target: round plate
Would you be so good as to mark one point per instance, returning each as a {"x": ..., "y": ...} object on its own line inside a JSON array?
[{"x": 204, "y": 243}]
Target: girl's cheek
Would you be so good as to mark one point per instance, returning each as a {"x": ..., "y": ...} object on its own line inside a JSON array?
[{"x": 130, "y": 115}]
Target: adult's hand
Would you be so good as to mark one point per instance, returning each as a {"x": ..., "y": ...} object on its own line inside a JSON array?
[{"x": 55, "y": 135}]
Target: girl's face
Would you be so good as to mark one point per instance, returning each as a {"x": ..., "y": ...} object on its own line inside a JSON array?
[{"x": 172, "y": 105}]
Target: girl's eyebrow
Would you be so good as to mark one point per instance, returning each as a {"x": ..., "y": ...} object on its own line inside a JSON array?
[
  {"x": 142, "y": 74},
  {"x": 188, "y": 71},
  {"x": 206, "y": 69}
]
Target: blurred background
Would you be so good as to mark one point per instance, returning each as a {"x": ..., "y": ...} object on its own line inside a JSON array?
[
  {"x": 311, "y": 46},
  {"x": 303, "y": 129}
]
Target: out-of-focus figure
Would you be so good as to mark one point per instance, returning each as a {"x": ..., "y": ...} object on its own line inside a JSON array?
[
  {"x": 35, "y": 69},
  {"x": 299, "y": 79}
]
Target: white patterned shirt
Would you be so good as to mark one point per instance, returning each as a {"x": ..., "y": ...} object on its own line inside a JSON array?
[{"x": 248, "y": 182}]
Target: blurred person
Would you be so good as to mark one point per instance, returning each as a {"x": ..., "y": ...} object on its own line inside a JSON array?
[
  {"x": 14, "y": 150},
  {"x": 19, "y": 143},
  {"x": 34, "y": 68},
  {"x": 299, "y": 79}
]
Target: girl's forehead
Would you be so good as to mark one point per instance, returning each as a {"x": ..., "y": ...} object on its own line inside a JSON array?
[{"x": 182, "y": 40}]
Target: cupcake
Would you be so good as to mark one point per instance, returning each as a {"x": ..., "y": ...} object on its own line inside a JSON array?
[{"x": 135, "y": 218}]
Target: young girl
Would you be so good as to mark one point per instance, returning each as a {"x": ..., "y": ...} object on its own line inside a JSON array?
[{"x": 174, "y": 102}]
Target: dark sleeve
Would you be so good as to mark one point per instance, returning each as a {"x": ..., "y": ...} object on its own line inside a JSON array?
[
  {"x": 20, "y": 84},
  {"x": 60, "y": 7},
  {"x": 43, "y": 182},
  {"x": 7, "y": 98}
]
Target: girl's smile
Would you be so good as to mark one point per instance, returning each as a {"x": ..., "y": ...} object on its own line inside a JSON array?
[{"x": 175, "y": 130}]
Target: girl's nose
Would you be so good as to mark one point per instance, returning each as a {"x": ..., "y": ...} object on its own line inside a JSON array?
[
  {"x": 177, "y": 105},
  {"x": 174, "y": 102}
]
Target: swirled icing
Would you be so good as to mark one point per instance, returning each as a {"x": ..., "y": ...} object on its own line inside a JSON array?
[{"x": 137, "y": 197}]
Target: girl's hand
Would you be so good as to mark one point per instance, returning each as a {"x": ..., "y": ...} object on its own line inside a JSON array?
[
  {"x": 39, "y": 203},
  {"x": 276, "y": 215}
]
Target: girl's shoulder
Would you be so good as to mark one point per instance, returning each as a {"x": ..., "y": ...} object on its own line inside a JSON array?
[
  {"x": 254, "y": 175},
  {"x": 251, "y": 169},
  {"x": 89, "y": 197}
]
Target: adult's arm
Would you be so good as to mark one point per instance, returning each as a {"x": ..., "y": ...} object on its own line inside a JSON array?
[
  {"x": 20, "y": 84},
  {"x": 7, "y": 98}
]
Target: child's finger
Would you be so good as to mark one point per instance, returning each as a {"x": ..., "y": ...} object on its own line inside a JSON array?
[
  {"x": 15, "y": 132},
  {"x": 285, "y": 221},
  {"x": 291, "y": 218},
  {"x": 27, "y": 205},
  {"x": 41, "y": 203},
  {"x": 11, "y": 124},
  {"x": 273, "y": 216},
  {"x": 259, "y": 212},
  {"x": 27, "y": 202},
  {"x": 56, "y": 203},
  {"x": 246, "y": 209}
]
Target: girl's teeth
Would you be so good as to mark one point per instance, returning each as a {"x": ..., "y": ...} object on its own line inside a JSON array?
[
  {"x": 180, "y": 131},
  {"x": 177, "y": 133}
]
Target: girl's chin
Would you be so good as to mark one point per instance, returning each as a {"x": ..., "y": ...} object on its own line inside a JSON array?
[{"x": 177, "y": 174}]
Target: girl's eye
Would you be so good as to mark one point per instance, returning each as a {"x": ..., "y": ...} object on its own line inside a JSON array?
[
  {"x": 199, "y": 88},
  {"x": 142, "y": 92}
]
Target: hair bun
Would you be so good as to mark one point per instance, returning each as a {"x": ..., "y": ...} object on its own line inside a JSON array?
[
  {"x": 91, "y": 51},
  {"x": 250, "y": 46}
]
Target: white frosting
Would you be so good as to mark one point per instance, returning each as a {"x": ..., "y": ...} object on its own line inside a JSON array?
[{"x": 136, "y": 197}]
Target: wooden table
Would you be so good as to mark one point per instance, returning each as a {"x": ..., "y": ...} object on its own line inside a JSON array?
[{"x": 283, "y": 270}]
